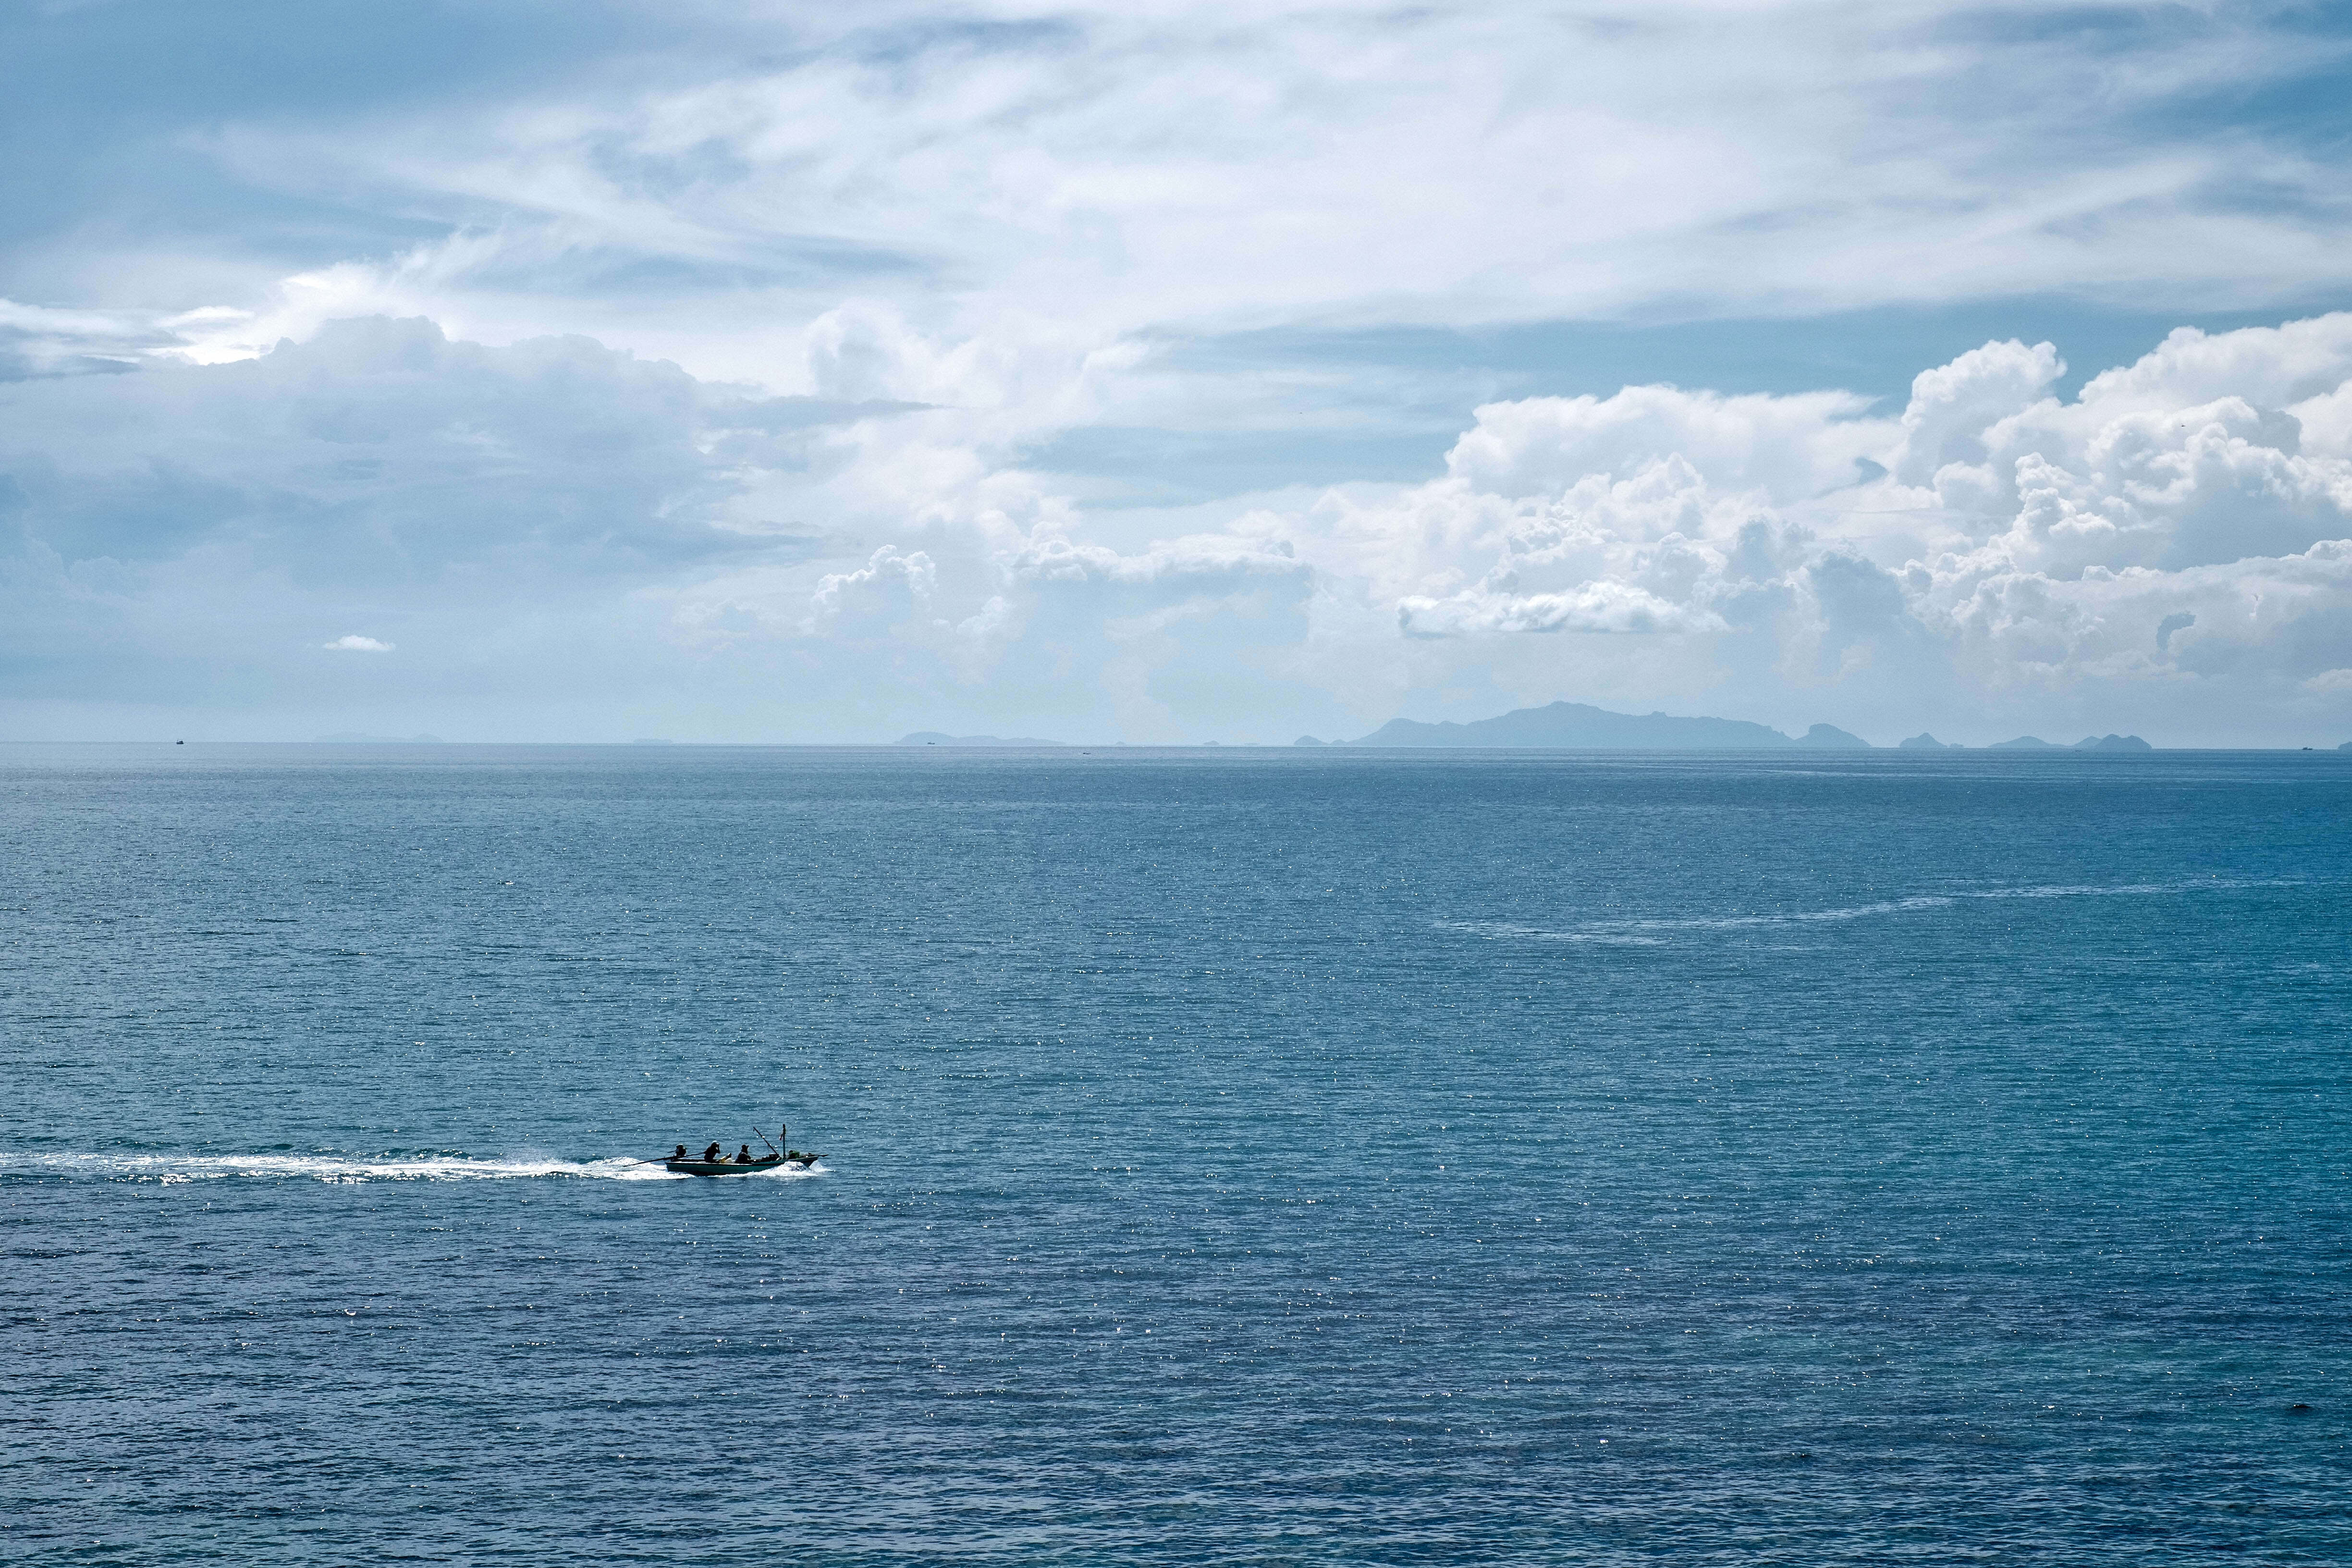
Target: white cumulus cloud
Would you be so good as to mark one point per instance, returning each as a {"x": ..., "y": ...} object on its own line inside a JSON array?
[
  {"x": 2168, "y": 550},
  {"x": 2167, "y": 541}
]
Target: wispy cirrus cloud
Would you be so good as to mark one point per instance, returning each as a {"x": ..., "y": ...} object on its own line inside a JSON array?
[{"x": 999, "y": 168}]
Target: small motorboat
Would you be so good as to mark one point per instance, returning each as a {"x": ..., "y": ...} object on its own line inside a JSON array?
[
  {"x": 683, "y": 1164},
  {"x": 730, "y": 1167}
]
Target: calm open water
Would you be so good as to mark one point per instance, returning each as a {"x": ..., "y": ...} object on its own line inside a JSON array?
[{"x": 1241, "y": 1158}]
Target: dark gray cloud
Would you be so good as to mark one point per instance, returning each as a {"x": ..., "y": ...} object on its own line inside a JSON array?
[
  {"x": 380, "y": 451},
  {"x": 192, "y": 531}
]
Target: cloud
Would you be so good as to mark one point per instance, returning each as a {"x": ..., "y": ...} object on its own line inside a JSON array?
[
  {"x": 761, "y": 351},
  {"x": 737, "y": 189},
  {"x": 1954, "y": 405},
  {"x": 1601, "y": 606},
  {"x": 381, "y": 450},
  {"x": 2149, "y": 543},
  {"x": 575, "y": 529},
  {"x": 494, "y": 508},
  {"x": 38, "y": 342},
  {"x": 1784, "y": 449}
]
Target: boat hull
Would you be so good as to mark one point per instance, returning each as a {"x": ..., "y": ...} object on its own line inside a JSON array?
[{"x": 726, "y": 1167}]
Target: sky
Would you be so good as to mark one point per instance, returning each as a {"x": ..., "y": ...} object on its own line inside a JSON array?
[{"x": 1169, "y": 372}]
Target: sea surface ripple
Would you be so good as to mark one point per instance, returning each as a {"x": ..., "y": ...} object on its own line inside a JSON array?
[{"x": 1234, "y": 1157}]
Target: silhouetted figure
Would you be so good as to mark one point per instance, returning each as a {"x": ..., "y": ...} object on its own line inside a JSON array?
[
  {"x": 743, "y": 1155},
  {"x": 713, "y": 1154},
  {"x": 681, "y": 1153}
]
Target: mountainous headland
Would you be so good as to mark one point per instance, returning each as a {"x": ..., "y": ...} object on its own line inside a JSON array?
[
  {"x": 2087, "y": 743},
  {"x": 1574, "y": 726},
  {"x": 1579, "y": 727}
]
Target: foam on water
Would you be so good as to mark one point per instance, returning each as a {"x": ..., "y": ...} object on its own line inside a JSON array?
[
  {"x": 1510, "y": 930},
  {"x": 1621, "y": 932},
  {"x": 175, "y": 1168}
]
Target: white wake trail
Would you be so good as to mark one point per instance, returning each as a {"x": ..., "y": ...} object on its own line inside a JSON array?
[
  {"x": 343, "y": 1168},
  {"x": 1629, "y": 931}
]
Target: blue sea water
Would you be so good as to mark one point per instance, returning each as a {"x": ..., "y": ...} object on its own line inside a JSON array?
[{"x": 1227, "y": 1157}]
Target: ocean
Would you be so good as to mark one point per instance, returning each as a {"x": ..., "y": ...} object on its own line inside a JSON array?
[{"x": 1259, "y": 1157}]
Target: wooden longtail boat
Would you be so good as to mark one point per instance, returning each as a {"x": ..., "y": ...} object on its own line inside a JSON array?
[
  {"x": 729, "y": 1167},
  {"x": 683, "y": 1164}
]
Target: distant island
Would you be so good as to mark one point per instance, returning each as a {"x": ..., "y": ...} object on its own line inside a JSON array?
[
  {"x": 933, "y": 737},
  {"x": 1574, "y": 726},
  {"x": 1579, "y": 727},
  {"x": 1927, "y": 742},
  {"x": 2087, "y": 743}
]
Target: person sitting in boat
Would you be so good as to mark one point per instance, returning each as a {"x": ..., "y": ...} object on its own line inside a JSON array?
[
  {"x": 743, "y": 1155},
  {"x": 713, "y": 1154},
  {"x": 681, "y": 1153}
]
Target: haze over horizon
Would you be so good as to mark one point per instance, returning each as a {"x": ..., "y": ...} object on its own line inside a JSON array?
[{"x": 1171, "y": 372}]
